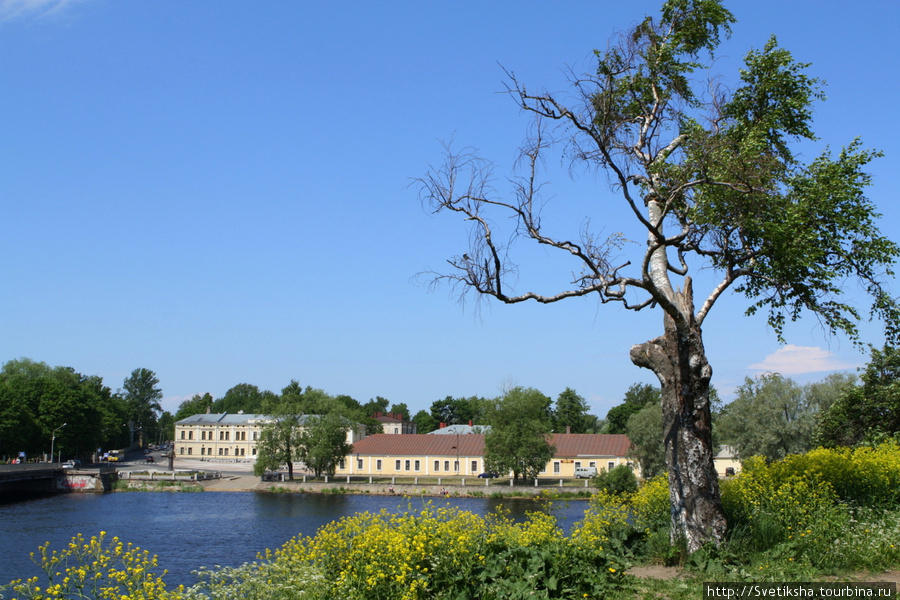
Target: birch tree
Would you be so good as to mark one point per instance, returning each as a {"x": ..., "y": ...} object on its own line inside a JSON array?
[{"x": 711, "y": 178}]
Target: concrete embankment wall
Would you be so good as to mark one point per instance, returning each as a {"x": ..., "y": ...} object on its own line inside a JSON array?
[{"x": 408, "y": 489}]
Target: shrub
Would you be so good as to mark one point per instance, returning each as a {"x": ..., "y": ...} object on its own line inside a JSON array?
[{"x": 620, "y": 480}]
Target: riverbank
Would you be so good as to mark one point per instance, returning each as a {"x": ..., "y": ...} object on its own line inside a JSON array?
[
  {"x": 238, "y": 476},
  {"x": 252, "y": 483}
]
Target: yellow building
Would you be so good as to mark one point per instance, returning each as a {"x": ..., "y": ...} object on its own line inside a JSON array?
[
  {"x": 228, "y": 436},
  {"x": 726, "y": 461},
  {"x": 463, "y": 455}
]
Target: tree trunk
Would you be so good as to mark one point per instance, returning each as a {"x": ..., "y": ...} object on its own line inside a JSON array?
[{"x": 679, "y": 361}]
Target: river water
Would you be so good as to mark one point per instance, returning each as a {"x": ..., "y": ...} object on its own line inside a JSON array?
[{"x": 188, "y": 531}]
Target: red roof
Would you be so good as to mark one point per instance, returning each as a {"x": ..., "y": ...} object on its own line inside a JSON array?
[{"x": 567, "y": 445}]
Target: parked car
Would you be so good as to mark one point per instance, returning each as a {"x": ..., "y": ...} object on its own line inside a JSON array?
[
  {"x": 488, "y": 475},
  {"x": 71, "y": 464},
  {"x": 585, "y": 472}
]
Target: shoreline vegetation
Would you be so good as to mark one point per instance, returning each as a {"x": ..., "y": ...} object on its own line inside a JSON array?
[{"x": 828, "y": 515}]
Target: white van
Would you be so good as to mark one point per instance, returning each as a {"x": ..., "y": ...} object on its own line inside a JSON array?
[{"x": 585, "y": 472}]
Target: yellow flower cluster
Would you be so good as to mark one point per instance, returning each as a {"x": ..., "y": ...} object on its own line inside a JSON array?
[
  {"x": 606, "y": 514},
  {"x": 766, "y": 494},
  {"x": 650, "y": 504},
  {"x": 96, "y": 569},
  {"x": 384, "y": 555}
]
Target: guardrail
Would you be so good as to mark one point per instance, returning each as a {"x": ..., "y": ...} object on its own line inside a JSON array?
[
  {"x": 545, "y": 482},
  {"x": 169, "y": 475}
]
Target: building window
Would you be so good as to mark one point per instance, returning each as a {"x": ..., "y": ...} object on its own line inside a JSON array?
[
  {"x": 474, "y": 466},
  {"x": 406, "y": 465},
  {"x": 577, "y": 464},
  {"x": 593, "y": 463},
  {"x": 226, "y": 451},
  {"x": 395, "y": 430},
  {"x": 255, "y": 436},
  {"x": 182, "y": 434},
  {"x": 220, "y": 452},
  {"x": 189, "y": 449},
  {"x": 181, "y": 450},
  {"x": 378, "y": 464},
  {"x": 341, "y": 464},
  {"x": 446, "y": 465},
  {"x": 190, "y": 435},
  {"x": 359, "y": 463},
  {"x": 610, "y": 466},
  {"x": 416, "y": 466},
  {"x": 556, "y": 466},
  {"x": 456, "y": 466},
  {"x": 437, "y": 466},
  {"x": 253, "y": 451},
  {"x": 397, "y": 465},
  {"x": 202, "y": 436}
]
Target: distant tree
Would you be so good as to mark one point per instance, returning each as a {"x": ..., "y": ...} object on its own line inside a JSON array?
[
  {"x": 349, "y": 402},
  {"x": 400, "y": 409},
  {"x": 196, "y": 405},
  {"x": 571, "y": 410},
  {"x": 279, "y": 436},
  {"x": 456, "y": 411},
  {"x": 637, "y": 397},
  {"x": 142, "y": 395},
  {"x": 425, "y": 423},
  {"x": 36, "y": 400},
  {"x": 771, "y": 417},
  {"x": 377, "y": 404},
  {"x": 322, "y": 443},
  {"x": 645, "y": 430},
  {"x": 22, "y": 382},
  {"x": 166, "y": 425},
  {"x": 868, "y": 412},
  {"x": 279, "y": 439},
  {"x": 519, "y": 439},
  {"x": 244, "y": 397}
]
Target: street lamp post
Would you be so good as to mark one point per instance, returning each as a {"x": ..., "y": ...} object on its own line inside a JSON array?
[{"x": 53, "y": 440}]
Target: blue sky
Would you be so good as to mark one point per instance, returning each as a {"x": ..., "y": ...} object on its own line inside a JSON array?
[{"x": 220, "y": 191}]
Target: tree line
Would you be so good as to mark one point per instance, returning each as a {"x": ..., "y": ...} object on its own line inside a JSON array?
[
  {"x": 76, "y": 414},
  {"x": 773, "y": 416}
]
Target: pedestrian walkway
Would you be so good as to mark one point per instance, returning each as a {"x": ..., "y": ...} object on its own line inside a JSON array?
[{"x": 232, "y": 483}]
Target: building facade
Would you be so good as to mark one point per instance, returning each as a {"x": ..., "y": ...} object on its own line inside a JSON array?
[
  {"x": 229, "y": 436},
  {"x": 463, "y": 455},
  {"x": 393, "y": 423}
]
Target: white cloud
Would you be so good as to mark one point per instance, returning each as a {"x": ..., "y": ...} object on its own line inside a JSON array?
[
  {"x": 796, "y": 360},
  {"x": 12, "y": 9}
]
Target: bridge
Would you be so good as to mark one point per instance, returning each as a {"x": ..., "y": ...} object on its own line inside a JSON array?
[{"x": 36, "y": 479}]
